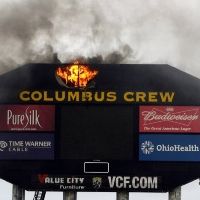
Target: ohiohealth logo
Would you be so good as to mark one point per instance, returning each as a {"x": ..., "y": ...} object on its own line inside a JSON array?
[{"x": 147, "y": 147}]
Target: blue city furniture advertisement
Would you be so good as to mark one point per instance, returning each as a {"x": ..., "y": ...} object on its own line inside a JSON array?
[{"x": 169, "y": 147}]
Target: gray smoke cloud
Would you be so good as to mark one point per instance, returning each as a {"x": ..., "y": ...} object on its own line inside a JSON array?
[{"x": 128, "y": 31}]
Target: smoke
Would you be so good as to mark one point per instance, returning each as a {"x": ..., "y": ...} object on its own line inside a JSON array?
[{"x": 138, "y": 31}]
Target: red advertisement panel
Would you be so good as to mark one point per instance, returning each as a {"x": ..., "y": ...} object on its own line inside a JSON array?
[
  {"x": 172, "y": 119},
  {"x": 27, "y": 118}
]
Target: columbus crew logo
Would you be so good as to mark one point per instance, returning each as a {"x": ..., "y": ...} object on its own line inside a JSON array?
[
  {"x": 97, "y": 182},
  {"x": 147, "y": 147}
]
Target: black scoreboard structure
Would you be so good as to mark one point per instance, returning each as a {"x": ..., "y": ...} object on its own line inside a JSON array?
[{"x": 81, "y": 127}]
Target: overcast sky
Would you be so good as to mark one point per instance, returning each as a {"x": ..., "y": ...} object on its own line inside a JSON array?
[{"x": 141, "y": 31}]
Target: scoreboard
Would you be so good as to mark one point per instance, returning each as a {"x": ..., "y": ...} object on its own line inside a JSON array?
[{"x": 97, "y": 127}]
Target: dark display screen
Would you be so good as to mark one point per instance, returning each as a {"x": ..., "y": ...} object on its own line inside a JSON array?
[{"x": 98, "y": 132}]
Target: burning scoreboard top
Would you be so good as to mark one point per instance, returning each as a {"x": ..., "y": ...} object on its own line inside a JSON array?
[{"x": 99, "y": 127}]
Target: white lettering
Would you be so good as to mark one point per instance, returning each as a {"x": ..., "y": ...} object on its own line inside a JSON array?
[
  {"x": 133, "y": 182},
  {"x": 29, "y": 118},
  {"x": 153, "y": 115}
]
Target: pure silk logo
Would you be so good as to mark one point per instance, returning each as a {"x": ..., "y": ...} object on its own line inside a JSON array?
[
  {"x": 30, "y": 117},
  {"x": 27, "y": 118}
]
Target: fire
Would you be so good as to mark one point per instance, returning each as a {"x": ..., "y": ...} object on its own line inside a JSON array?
[{"x": 76, "y": 75}]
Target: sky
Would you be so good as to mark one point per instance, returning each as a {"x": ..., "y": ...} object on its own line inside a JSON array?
[{"x": 128, "y": 31}]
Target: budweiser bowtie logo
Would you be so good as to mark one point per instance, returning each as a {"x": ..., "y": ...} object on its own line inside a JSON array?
[{"x": 169, "y": 119}]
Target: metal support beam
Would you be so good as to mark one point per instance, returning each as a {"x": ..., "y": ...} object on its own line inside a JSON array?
[
  {"x": 69, "y": 195},
  {"x": 122, "y": 195},
  {"x": 175, "y": 194},
  {"x": 18, "y": 193}
]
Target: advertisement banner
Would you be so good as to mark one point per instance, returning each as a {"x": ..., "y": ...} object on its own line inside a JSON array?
[
  {"x": 154, "y": 147},
  {"x": 96, "y": 183},
  {"x": 172, "y": 119},
  {"x": 26, "y": 146},
  {"x": 27, "y": 118}
]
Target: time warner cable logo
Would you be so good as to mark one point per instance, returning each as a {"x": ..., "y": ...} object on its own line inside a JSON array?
[
  {"x": 3, "y": 145},
  {"x": 147, "y": 147}
]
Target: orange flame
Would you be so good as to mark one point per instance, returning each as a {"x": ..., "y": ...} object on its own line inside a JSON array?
[{"x": 76, "y": 75}]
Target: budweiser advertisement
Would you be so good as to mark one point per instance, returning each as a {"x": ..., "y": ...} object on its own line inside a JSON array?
[
  {"x": 173, "y": 119},
  {"x": 157, "y": 147},
  {"x": 27, "y": 118},
  {"x": 26, "y": 146}
]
